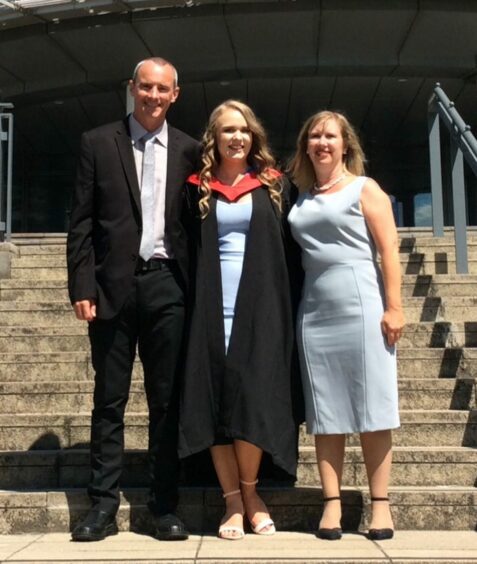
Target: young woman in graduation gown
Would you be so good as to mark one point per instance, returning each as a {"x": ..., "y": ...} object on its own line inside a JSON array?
[{"x": 236, "y": 397}]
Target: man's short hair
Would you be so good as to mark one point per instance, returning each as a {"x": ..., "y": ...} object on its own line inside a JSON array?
[{"x": 160, "y": 62}]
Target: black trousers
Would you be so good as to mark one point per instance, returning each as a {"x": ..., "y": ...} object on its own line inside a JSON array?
[{"x": 152, "y": 319}]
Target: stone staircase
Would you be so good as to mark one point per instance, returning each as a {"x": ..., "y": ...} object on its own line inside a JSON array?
[{"x": 46, "y": 383}]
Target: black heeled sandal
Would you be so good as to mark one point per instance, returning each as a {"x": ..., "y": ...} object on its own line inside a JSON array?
[
  {"x": 330, "y": 534},
  {"x": 380, "y": 534}
]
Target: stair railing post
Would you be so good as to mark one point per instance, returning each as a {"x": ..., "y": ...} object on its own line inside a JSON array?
[
  {"x": 6, "y": 136},
  {"x": 460, "y": 207},
  {"x": 436, "y": 169}
]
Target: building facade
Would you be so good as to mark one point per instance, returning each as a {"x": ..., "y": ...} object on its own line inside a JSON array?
[{"x": 64, "y": 64}]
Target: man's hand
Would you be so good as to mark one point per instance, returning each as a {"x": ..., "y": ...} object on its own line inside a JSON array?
[{"x": 85, "y": 310}]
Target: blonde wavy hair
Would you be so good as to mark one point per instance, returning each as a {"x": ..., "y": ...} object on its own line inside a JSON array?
[
  {"x": 260, "y": 158},
  {"x": 300, "y": 166}
]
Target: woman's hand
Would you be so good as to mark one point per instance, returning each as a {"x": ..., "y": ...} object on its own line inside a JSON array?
[{"x": 392, "y": 325}]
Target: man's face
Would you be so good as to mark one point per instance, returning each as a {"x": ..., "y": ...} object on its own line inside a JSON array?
[{"x": 153, "y": 92}]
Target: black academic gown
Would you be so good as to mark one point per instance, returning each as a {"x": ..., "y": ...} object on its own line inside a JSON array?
[{"x": 247, "y": 393}]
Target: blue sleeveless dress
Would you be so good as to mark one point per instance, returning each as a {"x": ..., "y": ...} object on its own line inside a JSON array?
[
  {"x": 233, "y": 220},
  {"x": 348, "y": 369}
]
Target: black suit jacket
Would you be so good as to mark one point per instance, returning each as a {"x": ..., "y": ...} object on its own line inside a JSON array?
[{"x": 106, "y": 225}]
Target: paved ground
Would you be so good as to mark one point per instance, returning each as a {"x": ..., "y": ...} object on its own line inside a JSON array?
[{"x": 287, "y": 548}]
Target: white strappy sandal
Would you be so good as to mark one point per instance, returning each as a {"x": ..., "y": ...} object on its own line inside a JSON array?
[
  {"x": 264, "y": 523},
  {"x": 224, "y": 529}
]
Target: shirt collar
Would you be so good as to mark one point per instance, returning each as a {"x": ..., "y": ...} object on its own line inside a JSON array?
[{"x": 138, "y": 131}]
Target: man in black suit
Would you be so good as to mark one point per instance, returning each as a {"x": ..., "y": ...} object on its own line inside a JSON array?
[{"x": 128, "y": 276}]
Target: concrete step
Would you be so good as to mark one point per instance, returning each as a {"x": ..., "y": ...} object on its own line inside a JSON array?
[
  {"x": 433, "y": 245},
  {"x": 50, "y": 364},
  {"x": 46, "y": 367},
  {"x": 44, "y": 260},
  {"x": 55, "y": 354},
  {"x": 29, "y": 314},
  {"x": 14, "y": 284},
  {"x": 458, "y": 308},
  {"x": 72, "y": 338},
  {"x": 33, "y": 290},
  {"x": 416, "y": 309},
  {"x": 439, "y": 285},
  {"x": 48, "y": 262},
  {"x": 412, "y": 466},
  {"x": 48, "y": 249},
  {"x": 420, "y": 263},
  {"x": 34, "y": 257},
  {"x": 57, "y": 244},
  {"x": 432, "y": 260},
  {"x": 75, "y": 366},
  {"x": 77, "y": 396},
  {"x": 32, "y": 294},
  {"x": 56, "y": 256},
  {"x": 38, "y": 238},
  {"x": 426, "y": 428},
  {"x": 44, "y": 339},
  {"x": 436, "y": 255},
  {"x": 59, "y": 397},
  {"x": 409, "y": 236},
  {"x": 439, "y": 334},
  {"x": 412, "y": 236},
  {"x": 39, "y": 273},
  {"x": 436, "y": 362},
  {"x": 418, "y": 286},
  {"x": 419, "y": 233},
  {"x": 430, "y": 394},
  {"x": 51, "y": 367},
  {"x": 27, "y": 431},
  {"x": 295, "y": 509}
]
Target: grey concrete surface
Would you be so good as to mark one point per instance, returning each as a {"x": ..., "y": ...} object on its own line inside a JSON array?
[{"x": 297, "y": 548}]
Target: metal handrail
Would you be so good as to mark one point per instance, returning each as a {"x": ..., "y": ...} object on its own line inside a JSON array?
[
  {"x": 463, "y": 145},
  {"x": 6, "y": 202},
  {"x": 456, "y": 125}
]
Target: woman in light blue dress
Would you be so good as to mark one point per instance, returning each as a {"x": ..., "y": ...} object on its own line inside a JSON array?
[{"x": 350, "y": 315}]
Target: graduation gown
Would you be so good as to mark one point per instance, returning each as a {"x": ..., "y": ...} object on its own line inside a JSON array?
[{"x": 247, "y": 393}]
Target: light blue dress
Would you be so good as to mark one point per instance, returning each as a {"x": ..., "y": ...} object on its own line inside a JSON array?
[
  {"x": 348, "y": 369},
  {"x": 233, "y": 220}
]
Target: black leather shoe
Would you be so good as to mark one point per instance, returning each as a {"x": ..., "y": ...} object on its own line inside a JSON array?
[
  {"x": 170, "y": 527},
  {"x": 380, "y": 534},
  {"x": 95, "y": 527}
]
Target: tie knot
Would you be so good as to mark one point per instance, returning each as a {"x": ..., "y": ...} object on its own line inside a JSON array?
[
  {"x": 146, "y": 140},
  {"x": 147, "y": 137}
]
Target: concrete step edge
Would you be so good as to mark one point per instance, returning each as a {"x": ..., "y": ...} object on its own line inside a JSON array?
[
  {"x": 86, "y": 385},
  {"x": 292, "y": 508},
  {"x": 351, "y": 451}
]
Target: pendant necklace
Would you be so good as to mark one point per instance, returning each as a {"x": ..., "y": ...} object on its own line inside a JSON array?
[{"x": 319, "y": 189}]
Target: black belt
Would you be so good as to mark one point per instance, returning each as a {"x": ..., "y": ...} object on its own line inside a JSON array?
[{"x": 153, "y": 264}]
